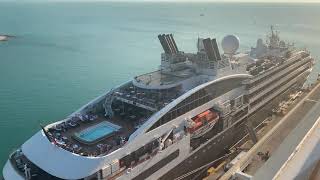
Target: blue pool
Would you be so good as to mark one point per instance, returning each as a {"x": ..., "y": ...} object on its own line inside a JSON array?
[{"x": 97, "y": 132}]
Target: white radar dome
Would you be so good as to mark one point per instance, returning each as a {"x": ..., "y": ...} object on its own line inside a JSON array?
[{"x": 230, "y": 44}]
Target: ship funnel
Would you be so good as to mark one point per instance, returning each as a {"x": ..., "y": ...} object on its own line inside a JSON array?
[
  {"x": 174, "y": 43},
  {"x": 208, "y": 47},
  {"x": 200, "y": 45},
  {"x": 170, "y": 44},
  {"x": 216, "y": 49},
  {"x": 164, "y": 44}
]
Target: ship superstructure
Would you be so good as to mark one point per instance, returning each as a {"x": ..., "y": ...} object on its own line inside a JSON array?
[{"x": 161, "y": 124}]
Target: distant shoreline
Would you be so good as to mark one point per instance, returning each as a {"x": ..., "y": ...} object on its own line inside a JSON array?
[{"x": 5, "y": 37}]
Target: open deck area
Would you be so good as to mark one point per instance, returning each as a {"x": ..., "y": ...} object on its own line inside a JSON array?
[
  {"x": 152, "y": 100},
  {"x": 66, "y": 135},
  {"x": 159, "y": 78}
]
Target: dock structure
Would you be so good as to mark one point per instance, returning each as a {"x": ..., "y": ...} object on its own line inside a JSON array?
[
  {"x": 292, "y": 146},
  {"x": 303, "y": 163}
]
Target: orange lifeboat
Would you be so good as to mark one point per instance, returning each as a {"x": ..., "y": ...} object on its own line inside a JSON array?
[{"x": 202, "y": 123}]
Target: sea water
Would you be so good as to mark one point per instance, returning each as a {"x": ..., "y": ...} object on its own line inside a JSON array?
[{"x": 66, "y": 54}]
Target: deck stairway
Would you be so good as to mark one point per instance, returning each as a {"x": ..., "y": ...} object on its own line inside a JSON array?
[{"x": 108, "y": 103}]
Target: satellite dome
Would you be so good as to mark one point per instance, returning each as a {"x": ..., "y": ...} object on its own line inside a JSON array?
[{"x": 230, "y": 44}]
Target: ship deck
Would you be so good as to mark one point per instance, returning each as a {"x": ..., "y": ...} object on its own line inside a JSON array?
[
  {"x": 151, "y": 100},
  {"x": 159, "y": 78},
  {"x": 66, "y": 139}
]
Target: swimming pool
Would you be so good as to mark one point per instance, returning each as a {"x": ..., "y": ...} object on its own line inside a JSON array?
[{"x": 96, "y": 133}]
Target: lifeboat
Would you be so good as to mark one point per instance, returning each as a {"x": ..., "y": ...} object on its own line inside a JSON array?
[{"x": 202, "y": 123}]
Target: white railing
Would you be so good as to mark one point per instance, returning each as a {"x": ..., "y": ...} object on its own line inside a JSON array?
[
  {"x": 252, "y": 99},
  {"x": 256, "y": 87},
  {"x": 294, "y": 58},
  {"x": 290, "y": 83}
]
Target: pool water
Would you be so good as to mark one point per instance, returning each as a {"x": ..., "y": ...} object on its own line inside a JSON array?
[{"x": 97, "y": 132}]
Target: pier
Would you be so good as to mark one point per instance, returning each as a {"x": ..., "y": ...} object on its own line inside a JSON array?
[{"x": 287, "y": 145}]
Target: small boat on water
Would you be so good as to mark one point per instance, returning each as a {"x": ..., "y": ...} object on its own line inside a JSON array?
[{"x": 4, "y": 37}]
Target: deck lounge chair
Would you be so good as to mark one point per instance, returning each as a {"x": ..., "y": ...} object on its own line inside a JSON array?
[
  {"x": 72, "y": 123},
  {"x": 58, "y": 127}
]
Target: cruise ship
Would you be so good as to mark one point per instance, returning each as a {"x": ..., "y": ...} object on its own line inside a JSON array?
[{"x": 163, "y": 124}]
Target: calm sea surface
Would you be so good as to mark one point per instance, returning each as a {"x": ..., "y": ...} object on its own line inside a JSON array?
[{"x": 65, "y": 54}]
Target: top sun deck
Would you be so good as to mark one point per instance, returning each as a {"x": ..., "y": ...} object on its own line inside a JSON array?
[{"x": 161, "y": 79}]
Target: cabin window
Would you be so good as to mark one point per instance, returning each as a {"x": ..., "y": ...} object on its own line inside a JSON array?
[
  {"x": 140, "y": 152},
  {"x": 174, "y": 114},
  {"x": 132, "y": 158},
  {"x": 126, "y": 161},
  {"x": 166, "y": 118},
  {"x": 180, "y": 111},
  {"x": 198, "y": 102}
]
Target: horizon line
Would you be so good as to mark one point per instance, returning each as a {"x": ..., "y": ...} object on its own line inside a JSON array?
[{"x": 175, "y": 1}]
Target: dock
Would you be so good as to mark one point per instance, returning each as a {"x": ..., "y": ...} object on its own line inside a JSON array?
[{"x": 287, "y": 146}]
